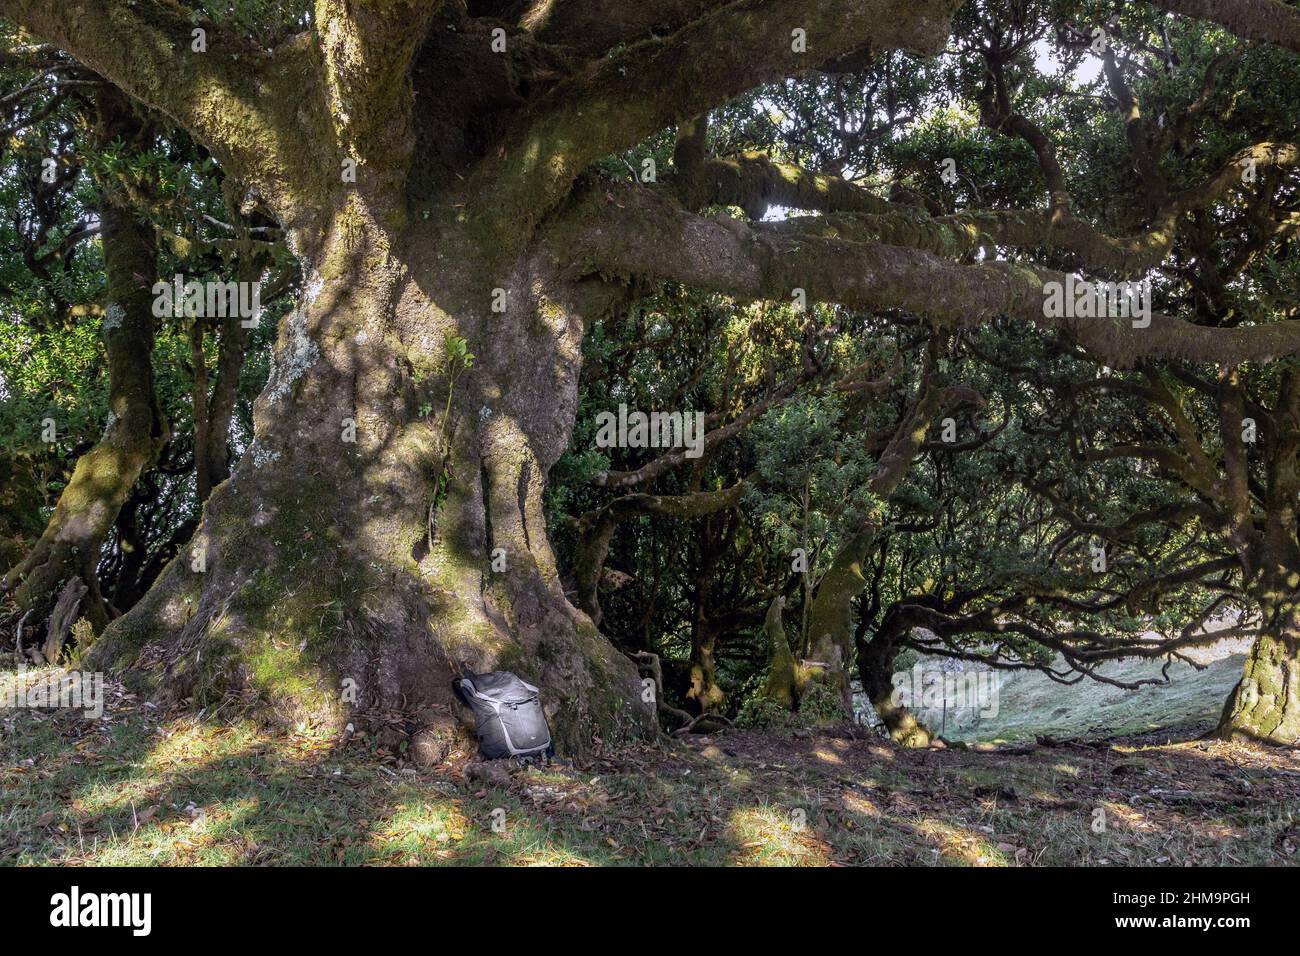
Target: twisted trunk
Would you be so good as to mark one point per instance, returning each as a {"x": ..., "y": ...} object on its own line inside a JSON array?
[
  {"x": 69, "y": 549},
  {"x": 704, "y": 692},
  {"x": 876, "y": 657},
  {"x": 1265, "y": 704},
  {"x": 785, "y": 679},
  {"x": 830, "y": 621}
]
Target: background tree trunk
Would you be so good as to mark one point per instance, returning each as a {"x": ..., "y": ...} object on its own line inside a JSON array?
[
  {"x": 70, "y": 546},
  {"x": 830, "y": 622},
  {"x": 1265, "y": 704},
  {"x": 876, "y": 669},
  {"x": 214, "y": 411}
]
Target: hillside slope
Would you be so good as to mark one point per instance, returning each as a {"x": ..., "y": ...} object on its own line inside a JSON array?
[{"x": 1030, "y": 704}]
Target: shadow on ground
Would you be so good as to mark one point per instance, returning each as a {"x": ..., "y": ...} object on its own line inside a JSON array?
[{"x": 146, "y": 788}]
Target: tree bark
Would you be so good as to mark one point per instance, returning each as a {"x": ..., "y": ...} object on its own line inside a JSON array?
[
  {"x": 1270, "y": 21},
  {"x": 335, "y": 576},
  {"x": 876, "y": 669},
  {"x": 70, "y": 546},
  {"x": 785, "y": 681},
  {"x": 704, "y": 691},
  {"x": 830, "y": 621},
  {"x": 1265, "y": 704}
]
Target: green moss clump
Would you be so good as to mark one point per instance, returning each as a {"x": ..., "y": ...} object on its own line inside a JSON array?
[
  {"x": 759, "y": 712},
  {"x": 818, "y": 704}
]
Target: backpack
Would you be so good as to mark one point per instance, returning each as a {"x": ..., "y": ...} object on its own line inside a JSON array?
[{"x": 508, "y": 717}]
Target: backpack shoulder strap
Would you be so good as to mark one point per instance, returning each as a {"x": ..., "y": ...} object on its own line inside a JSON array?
[{"x": 458, "y": 687}]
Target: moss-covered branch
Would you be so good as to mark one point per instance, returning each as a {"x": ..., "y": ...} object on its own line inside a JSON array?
[
  {"x": 642, "y": 232},
  {"x": 592, "y": 27},
  {"x": 1266, "y": 20},
  {"x": 754, "y": 182},
  {"x": 620, "y": 100},
  {"x": 596, "y": 530},
  {"x": 368, "y": 47},
  {"x": 257, "y": 111}
]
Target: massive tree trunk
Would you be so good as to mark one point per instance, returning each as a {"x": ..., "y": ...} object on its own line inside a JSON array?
[
  {"x": 338, "y": 552},
  {"x": 69, "y": 548},
  {"x": 1265, "y": 704}
]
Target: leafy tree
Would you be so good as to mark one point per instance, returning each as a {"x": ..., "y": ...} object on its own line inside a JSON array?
[{"x": 499, "y": 174}]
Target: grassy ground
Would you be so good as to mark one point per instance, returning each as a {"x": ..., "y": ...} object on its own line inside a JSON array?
[
  {"x": 147, "y": 788},
  {"x": 1031, "y": 704}
]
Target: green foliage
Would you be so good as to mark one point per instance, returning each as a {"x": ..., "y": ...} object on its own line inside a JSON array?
[
  {"x": 459, "y": 357},
  {"x": 814, "y": 473},
  {"x": 763, "y": 713},
  {"x": 820, "y": 704}
]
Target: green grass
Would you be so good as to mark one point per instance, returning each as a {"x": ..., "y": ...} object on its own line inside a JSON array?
[
  {"x": 1032, "y": 704},
  {"x": 143, "y": 788}
]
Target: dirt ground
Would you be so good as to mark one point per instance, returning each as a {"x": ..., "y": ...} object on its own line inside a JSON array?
[{"x": 143, "y": 787}]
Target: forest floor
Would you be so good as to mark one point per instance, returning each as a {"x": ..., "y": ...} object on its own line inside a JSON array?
[{"x": 143, "y": 787}]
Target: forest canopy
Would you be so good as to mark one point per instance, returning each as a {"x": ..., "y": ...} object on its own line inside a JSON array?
[{"x": 700, "y": 361}]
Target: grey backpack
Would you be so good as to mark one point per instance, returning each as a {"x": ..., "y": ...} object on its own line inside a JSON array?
[{"x": 508, "y": 716}]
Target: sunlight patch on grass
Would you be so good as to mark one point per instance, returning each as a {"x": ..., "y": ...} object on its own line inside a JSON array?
[
  {"x": 825, "y": 755},
  {"x": 773, "y": 836},
  {"x": 960, "y": 845},
  {"x": 422, "y": 830},
  {"x": 544, "y": 853},
  {"x": 857, "y": 803}
]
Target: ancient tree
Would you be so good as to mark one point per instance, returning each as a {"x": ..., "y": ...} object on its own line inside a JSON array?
[{"x": 431, "y": 166}]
